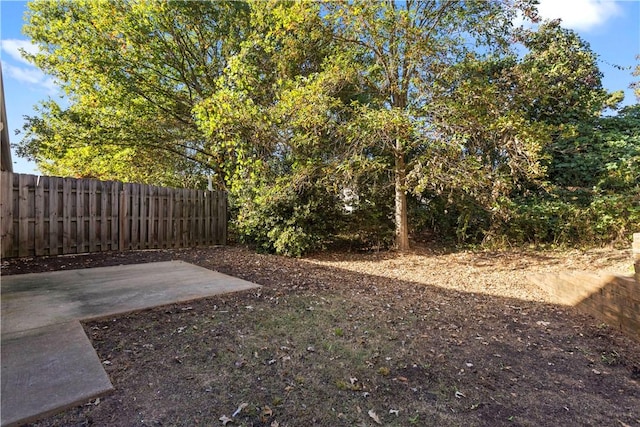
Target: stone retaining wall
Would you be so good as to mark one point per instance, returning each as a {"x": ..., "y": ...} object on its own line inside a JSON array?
[{"x": 614, "y": 300}]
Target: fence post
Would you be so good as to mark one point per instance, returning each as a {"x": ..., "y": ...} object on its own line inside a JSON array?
[{"x": 636, "y": 255}]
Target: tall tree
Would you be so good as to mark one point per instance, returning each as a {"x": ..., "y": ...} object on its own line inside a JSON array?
[
  {"x": 133, "y": 72},
  {"x": 402, "y": 47}
]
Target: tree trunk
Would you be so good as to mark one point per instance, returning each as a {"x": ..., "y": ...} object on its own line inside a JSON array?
[{"x": 402, "y": 227}]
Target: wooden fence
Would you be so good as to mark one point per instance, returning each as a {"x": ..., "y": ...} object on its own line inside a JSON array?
[{"x": 54, "y": 216}]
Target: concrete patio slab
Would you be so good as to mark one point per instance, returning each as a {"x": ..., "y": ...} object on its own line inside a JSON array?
[
  {"x": 39, "y": 299},
  {"x": 48, "y": 363},
  {"x": 48, "y": 369}
]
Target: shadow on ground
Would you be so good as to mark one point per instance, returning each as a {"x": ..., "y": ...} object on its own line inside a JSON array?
[{"x": 320, "y": 345}]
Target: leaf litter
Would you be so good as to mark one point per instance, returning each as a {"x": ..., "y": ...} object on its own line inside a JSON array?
[{"x": 411, "y": 335}]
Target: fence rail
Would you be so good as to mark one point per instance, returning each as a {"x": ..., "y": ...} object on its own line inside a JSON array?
[{"x": 52, "y": 216}]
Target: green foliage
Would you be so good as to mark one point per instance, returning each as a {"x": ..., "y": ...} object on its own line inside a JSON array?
[
  {"x": 560, "y": 79},
  {"x": 133, "y": 72},
  {"x": 594, "y": 196},
  {"x": 288, "y": 218},
  {"x": 605, "y": 219},
  {"x": 337, "y": 122},
  {"x": 605, "y": 156}
]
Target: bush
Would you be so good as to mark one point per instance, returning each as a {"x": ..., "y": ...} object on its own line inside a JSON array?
[
  {"x": 605, "y": 219},
  {"x": 287, "y": 219}
]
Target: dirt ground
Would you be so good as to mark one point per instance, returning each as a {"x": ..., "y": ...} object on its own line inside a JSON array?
[{"x": 363, "y": 339}]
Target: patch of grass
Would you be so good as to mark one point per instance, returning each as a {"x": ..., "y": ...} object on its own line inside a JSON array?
[
  {"x": 610, "y": 357},
  {"x": 384, "y": 371}
]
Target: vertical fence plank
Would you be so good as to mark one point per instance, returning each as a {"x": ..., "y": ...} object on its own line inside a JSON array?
[
  {"x": 114, "y": 189},
  {"x": 135, "y": 216},
  {"x": 185, "y": 218},
  {"x": 200, "y": 207},
  {"x": 93, "y": 220},
  {"x": 193, "y": 219},
  {"x": 207, "y": 217},
  {"x": 53, "y": 215},
  {"x": 197, "y": 218},
  {"x": 23, "y": 215},
  {"x": 215, "y": 217},
  {"x": 178, "y": 218},
  {"x": 103, "y": 215},
  {"x": 6, "y": 212},
  {"x": 171, "y": 219},
  {"x": 223, "y": 220},
  {"x": 124, "y": 218},
  {"x": 144, "y": 218},
  {"x": 81, "y": 237},
  {"x": 66, "y": 215},
  {"x": 159, "y": 236},
  {"x": 39, "y": 234},
  {"x": 154, "y": 212}
]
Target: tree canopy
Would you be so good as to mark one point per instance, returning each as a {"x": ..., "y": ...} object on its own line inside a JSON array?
[{"x": 328, "y": 121}]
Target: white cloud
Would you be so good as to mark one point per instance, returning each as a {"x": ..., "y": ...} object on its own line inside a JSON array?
[
  {"x": 12, "y": 48},
  {"x": 579, "y": 14},
  {"x": 23, "y": 74},
  {"x": 22, "y": 70},
  {"x": 30, "y": 76}
]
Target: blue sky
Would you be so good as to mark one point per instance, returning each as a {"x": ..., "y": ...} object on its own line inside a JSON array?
[{"x": 611, "y": 27}]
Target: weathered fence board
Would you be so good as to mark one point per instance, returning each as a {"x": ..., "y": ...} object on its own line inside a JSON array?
[{"x": 53, "y": 216}]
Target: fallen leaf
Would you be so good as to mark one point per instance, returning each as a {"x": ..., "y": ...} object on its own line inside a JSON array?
[
  {"x": 93, "y": 402},
  {"x": 374, "y": 416},
  {"x": 266, "y": 414},
  {"x": 240, "y": 408},
  {"x": 225, "y": 420}
]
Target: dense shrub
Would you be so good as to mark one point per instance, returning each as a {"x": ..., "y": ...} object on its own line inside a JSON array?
[{"x": 287, "y": 219}]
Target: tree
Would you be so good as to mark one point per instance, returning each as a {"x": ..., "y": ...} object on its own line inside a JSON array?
[
  {"x": 400, "y": 49},
  {"x": 409, "y": 107},
  {"x": 133, "y": 72},
  {"x": 561, "y": 86}
]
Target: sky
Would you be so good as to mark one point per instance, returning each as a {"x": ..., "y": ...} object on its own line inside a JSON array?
[{"x": 611, "y": 27}]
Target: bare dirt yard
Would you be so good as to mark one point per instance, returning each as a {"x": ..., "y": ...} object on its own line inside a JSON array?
[{"x": 347, "y": 339}]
